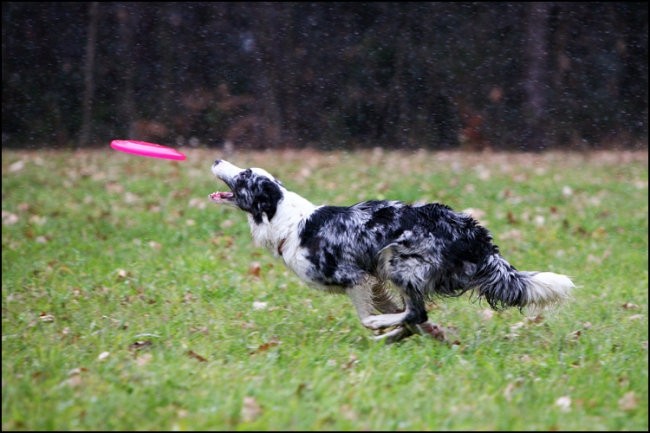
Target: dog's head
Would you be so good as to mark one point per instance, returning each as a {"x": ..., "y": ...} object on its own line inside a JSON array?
[{"x": 252, "y": 190}]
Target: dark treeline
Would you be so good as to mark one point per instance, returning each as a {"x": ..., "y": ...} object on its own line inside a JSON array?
[{"x": 525, "y": 76}]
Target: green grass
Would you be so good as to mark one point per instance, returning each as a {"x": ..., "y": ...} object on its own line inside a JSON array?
[{"x": 128, "y": 299}]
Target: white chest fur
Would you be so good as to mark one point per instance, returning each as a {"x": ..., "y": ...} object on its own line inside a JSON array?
[{"x": 281, "y": 234}]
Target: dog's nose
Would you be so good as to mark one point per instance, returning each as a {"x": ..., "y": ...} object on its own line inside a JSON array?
[{"x": 216, "y": 162}]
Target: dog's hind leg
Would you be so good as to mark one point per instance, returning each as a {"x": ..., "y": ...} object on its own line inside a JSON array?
[
  {"x": 383, "y": 300},
  {"x": 405, "y": 266},
  {"x": 413, "y": 314},
  {"x": 394, "y": 335},
  {"x": 405, "y": 323},
  {"x": 361, "y": 296},
  {"x": 371, "y": 297}
]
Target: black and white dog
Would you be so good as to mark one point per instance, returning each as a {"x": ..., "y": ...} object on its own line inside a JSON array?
[{"x": 362, "y": 250}]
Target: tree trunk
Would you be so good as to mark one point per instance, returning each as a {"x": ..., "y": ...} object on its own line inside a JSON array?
[
  {"x": 268, "y": 78},
  {"x": 89, "y": 75},
  {"x": 126, "y": 23},
  {"x": 535, "y": 136}
]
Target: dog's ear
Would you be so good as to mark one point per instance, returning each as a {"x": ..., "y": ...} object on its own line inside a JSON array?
[{"x": 266, "y": 200}]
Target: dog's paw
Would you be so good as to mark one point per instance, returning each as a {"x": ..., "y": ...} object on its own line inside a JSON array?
[
  {"x": 371, "y": 323},
  {"x": 394, "y": 335},
  {"x": 381, "y": 321}
]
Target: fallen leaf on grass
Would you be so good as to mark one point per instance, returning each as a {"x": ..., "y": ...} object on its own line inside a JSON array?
[
  {"x": 193, "y": 354},
  {"x": 564, "y": 403},
  {"x": 139, "y": 345},
  {"x": 623, "y": 381},
  {"x": 74, "y": 377},
  {"x": 257, "y": 305},
  {"x": 72, "y": 382},
  {"x": 102, "y": 356},
  {"x": 9, "y": 218},
  {"x": 76, "y": 371},
  {"x": 17, "y": 166},
  {"x": 45, "y": 317},
  {"x": 251, "y": 410},
  {"x": 201, "y": 329},
  {"x": 630, "y": 306},
  {"x": 435, "y": 331},
  {"x": 265, "y": 346},
  {"x": 255, "y": 269},
  {"x": 511, "y": 388},
  {"x": 123, "y": 274},
  {"x": 115, "y": 322},
  {"x": 575, "y": 335},
  {"x": 599, "y": 233},
  {"x": 629, "y": 401}
]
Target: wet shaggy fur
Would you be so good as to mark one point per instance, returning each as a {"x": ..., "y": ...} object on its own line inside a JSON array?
[{"x": 389, "y": 257}]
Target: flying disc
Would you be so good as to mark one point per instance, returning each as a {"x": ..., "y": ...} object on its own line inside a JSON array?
[{"x": 150, "y": 150}]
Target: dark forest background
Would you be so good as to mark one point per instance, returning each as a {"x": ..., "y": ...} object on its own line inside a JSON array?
[{"x": 526, "y": 76}]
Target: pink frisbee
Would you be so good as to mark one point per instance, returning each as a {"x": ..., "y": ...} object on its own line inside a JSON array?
[{"x": 143, "y": 148}]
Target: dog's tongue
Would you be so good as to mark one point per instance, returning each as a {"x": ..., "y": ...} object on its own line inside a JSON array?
[{"x": 221, "y": 196}]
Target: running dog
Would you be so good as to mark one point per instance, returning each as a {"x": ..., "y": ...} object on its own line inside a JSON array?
[{"x": 389, "y": 257}]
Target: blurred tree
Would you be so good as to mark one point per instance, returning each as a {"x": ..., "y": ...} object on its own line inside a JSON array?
[
  {"x": 89, "y": 75},
  {"x": 126, "y": 15},
  {"x": 535, "y": 109},
  {"x": 337, "y": 74}
]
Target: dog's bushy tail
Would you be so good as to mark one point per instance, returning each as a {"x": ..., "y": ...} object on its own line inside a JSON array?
[{"x": 504, "y": 286}]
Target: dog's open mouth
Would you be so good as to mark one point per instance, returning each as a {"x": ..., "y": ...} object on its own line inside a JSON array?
[{"x": 222, "y": 197}]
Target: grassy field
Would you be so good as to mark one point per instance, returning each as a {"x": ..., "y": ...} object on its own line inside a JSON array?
[{"x": 130, "y": 302}]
